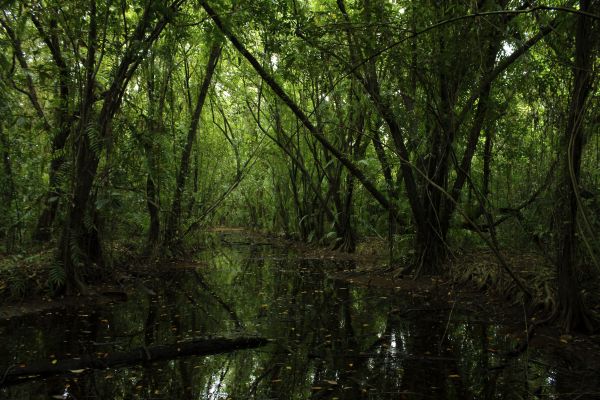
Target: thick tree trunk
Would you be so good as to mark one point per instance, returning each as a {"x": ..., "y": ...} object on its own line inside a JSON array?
[
  {"x": 71, "y": 247},
  {"x": 46, "y": 219},
  {"x": 572, "y": 313},
  {"x": 197, "y": 347},
  {"x": 173, "y": 234}
]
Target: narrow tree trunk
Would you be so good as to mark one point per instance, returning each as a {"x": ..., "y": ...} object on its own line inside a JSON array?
[
  {"x": 63, "y": 121},
  {"x": 172, "y": 234},
  {"x": 8, "y": 192},
  {"x": 152, "y": 202}
]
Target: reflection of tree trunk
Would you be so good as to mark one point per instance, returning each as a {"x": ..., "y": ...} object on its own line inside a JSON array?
[
  {"x": 197, "y": 347},
  {"x": 151, "y": 323},
  {"x": 571, "y": 311},
  {"x": 422, "y": 338},
  {"x": 218, "y": 299}
]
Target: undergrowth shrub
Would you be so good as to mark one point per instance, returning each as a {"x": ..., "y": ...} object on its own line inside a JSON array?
[
  {"x": 22, "y": 275},
  {"x": 483, "y": 269}
]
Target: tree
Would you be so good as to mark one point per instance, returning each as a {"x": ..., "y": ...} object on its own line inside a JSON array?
[
  {"x": 173, "y": 234},
  {"x": 572, "y": 313},
  {"x": 79, "y": 244}
]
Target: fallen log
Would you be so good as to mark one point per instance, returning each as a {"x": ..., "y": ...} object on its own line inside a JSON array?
[{"x": 195, "y": 347}]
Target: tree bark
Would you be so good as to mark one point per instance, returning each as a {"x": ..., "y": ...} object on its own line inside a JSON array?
[{"x": 571, "y": 311}]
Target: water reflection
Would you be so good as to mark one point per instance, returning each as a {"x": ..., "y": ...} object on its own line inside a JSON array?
[{"x": 331, "y": 340}]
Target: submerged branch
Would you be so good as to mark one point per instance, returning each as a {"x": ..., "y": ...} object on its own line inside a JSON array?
[{"x": 197, "y": 347}]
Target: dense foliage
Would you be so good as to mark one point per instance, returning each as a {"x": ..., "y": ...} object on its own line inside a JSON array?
[{"x": 127, "y": 126}]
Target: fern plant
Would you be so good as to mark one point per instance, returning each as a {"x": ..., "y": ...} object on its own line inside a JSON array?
[{"x": 56, "y": 277}]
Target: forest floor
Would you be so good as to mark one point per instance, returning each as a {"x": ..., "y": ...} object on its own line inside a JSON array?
[{"x": 473, "y": 291}]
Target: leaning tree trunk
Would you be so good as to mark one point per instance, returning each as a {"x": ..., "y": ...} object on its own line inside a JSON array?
[
  {"x": 571, "y": 310},
  {"x": 173, "y": 234}
]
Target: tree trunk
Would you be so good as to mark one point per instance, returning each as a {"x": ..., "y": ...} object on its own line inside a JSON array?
[
  {"x": 79, "y": 245},
  {"x": 173, "y": 234},
  {"x": 71, "y": 247},
  {"x": 571, "y": 310},
  {"x": 8, "y": 193},
  {"x": 63, "y": 121}
]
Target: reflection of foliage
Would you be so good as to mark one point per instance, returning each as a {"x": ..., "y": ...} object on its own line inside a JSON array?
[{"x": 330, "y": 337}]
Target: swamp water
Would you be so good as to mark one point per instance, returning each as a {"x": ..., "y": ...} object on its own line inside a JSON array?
[{"x": 331, "y": 340}]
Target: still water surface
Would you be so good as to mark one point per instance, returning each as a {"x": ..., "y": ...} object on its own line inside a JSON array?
[{"x": 332, "y": 340}]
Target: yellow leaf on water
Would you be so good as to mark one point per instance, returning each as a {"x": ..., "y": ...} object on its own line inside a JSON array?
[
  {"x": 77, "y": 371},
  {"x": 454, "y": 376},
  {"x": 54, "y": 361},
  {"x": 332, "y": 382}
]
